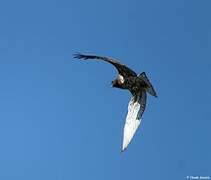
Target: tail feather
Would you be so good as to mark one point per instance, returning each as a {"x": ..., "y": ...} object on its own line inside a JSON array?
[{"x": 150, "y": 88}]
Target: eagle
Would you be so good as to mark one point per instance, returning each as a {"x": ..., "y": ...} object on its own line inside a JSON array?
[{"x": 138, "y": 84}]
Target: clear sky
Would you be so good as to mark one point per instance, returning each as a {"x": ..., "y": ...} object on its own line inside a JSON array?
[{"x": 59, "y": 117}]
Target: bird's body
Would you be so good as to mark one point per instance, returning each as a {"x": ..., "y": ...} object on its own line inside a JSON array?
[
  {"x": 138, "y": 85},
  {"x": 131, "y": 83}
]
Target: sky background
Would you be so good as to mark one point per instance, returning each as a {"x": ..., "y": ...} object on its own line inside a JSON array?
[{"x": 59, "y": 117}]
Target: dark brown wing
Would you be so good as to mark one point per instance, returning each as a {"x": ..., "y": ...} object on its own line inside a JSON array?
[{"x": 122, "y": 69}]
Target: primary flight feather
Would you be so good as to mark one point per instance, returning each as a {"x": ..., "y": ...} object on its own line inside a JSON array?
[{"x": 138, "y": 85}]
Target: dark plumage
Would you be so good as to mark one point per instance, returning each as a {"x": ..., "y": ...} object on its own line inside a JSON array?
[
  {"x": 138, "y": 85},
  {"x": 127, "y": 78}
]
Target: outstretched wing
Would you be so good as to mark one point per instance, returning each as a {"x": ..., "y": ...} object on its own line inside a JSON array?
[
  {"x": 136, "y": 109},
  {"x": 122, "y": 69}
]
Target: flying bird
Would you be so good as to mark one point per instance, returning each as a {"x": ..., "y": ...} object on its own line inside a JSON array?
[{"x": 138, "y": 85}]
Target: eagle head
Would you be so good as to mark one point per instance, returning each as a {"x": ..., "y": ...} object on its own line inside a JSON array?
[{"x": 115, "y": 83}]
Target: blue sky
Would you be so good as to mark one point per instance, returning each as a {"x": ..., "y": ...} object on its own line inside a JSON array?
[{"x": 59, "y": 118}]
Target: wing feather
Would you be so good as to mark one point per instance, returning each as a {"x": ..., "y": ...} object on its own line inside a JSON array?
[
  {"x": 135, "y": 111},
  {"x": 122, "y": 69}
]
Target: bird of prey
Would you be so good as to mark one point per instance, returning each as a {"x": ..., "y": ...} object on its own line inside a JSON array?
[{"x": 138, "y": 85}]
